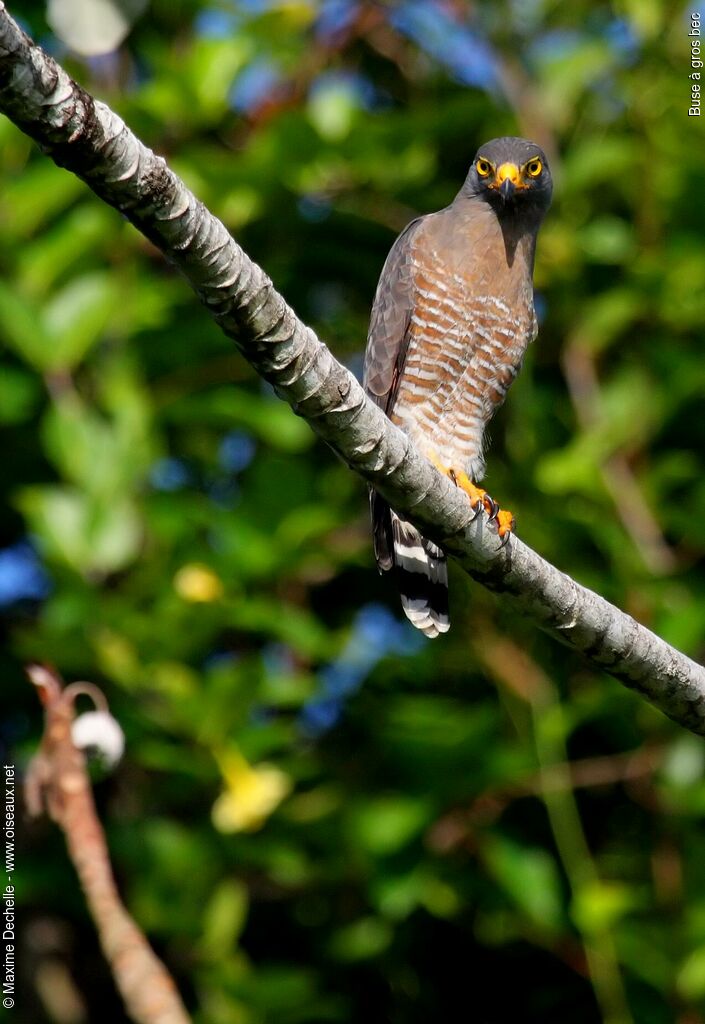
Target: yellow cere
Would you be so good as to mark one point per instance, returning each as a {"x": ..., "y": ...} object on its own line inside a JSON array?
[{"x": 510, "y": 171}]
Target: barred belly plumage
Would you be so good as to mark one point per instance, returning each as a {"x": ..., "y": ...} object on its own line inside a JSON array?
[{"x": 464, "y": 351}]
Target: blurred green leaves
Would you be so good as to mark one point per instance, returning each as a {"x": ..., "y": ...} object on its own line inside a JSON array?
[
  {"x": 269, "y": 419},
  {"x": 19, "y": 395},
  {"x": 88, "y": 535},
  {"x": 384, "y": 825},
  {"x": 530, "y": 879},
  {"x": 224, "y": 918}
]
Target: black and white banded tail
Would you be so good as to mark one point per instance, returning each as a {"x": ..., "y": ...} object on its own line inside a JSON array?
[{"x": 419, "y": 566}]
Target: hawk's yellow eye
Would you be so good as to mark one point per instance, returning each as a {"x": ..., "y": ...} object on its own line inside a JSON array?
[
  {"x": 483, "y": 168},
  {"x": 534, "y": 167}
]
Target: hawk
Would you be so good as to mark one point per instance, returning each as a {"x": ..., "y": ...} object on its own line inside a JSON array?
[{"x": 451, "y": 320}]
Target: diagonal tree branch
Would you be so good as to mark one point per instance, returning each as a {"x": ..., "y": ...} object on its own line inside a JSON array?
[{"x": 87, "y": 138}]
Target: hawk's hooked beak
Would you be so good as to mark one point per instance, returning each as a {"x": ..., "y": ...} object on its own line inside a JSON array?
[{"x": 507, "y": 180}]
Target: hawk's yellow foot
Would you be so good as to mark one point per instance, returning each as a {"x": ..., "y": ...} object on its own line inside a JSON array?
[
  {"x": 477, "y": 495},
  {"x": 479, "y": 498},
  {"x": 505, "y": 524}
]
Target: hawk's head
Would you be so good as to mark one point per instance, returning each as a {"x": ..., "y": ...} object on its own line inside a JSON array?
[{"x": 511, "y": 173}]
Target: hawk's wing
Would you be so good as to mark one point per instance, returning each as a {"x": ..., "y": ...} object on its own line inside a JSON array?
[
  {"x": 387, "y": 343},
  {"x": 388, "y": 336},
  {"x": 422, "y": 575}
]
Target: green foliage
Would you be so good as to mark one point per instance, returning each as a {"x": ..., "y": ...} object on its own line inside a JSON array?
[{"x": 320, "y": 816}]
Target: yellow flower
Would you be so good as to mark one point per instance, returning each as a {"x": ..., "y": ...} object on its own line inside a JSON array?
[
  {"x": 252, "y": 792},
  {"x": 197, "y": 583}
]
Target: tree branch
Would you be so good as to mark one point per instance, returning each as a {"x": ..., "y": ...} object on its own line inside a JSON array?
[
  {"x": 57, "y": 782},
  {"x": 86, "y": 137}
]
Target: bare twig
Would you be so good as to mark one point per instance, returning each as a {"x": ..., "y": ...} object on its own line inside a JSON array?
[
  {"x": 85, "y": 136},
  {"x": 588, "y": 773},
  {"x": 57, "y": 782}
]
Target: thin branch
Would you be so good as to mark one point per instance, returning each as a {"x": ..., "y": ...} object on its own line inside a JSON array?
[
  {"x": 85, "y": 136},
  {"x": 57, "y": 783},
  {"x": 632, "y": 767}
]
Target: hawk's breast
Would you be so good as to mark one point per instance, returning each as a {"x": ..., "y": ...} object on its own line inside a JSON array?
[{"x": 471, "y": 321}]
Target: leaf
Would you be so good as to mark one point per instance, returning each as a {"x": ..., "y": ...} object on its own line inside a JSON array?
[
  {"x": 58, "y": 335},
  {"x": 103, "y": 455},
  {"x": 362, "y": 940},
  {"x": 80, "y": 443},
  {"x": 607, "y": 317},
  {"x": 212, "y": 67},
  {"x": 384, "y": 825},
  {"x": 224, "y": 918},
  {"x": 397, "y": 896},
  {"x": 529, "y": 877},
  {"x": 297, "y": 627},
  {"x": 267, "y": 418},
  {"x": 600, "y": 905},
  {"x": 684, "y": 763},
  {"x": 690, "y": 981},
  {"x": 79, "y": 234},
  {"x": 607, "y": 240},
  {"x": 23, "y": 328},
  {"x": 19, "y": 395},
  {"x": 332, "y": 108},
  {"x": 85, "y": 535},
  {"x": 597, "y": 160},
  {"x": 78, "y": 316},
  {"x": 303, "y": 525},
  {"x": 34, "y": 197}
]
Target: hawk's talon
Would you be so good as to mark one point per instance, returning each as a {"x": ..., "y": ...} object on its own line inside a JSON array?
[
  {"x": 491, "y": 507},
  {"x": 480, "y": 500},
  {"x": 477, "y": 508},
  {"x": 505, "y": 525}
]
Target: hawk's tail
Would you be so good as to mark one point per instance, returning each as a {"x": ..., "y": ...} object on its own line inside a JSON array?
[{"x": 419, "y": 564}]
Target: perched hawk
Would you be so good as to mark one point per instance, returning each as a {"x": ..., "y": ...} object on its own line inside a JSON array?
[{"x": 451, "y": 320}]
